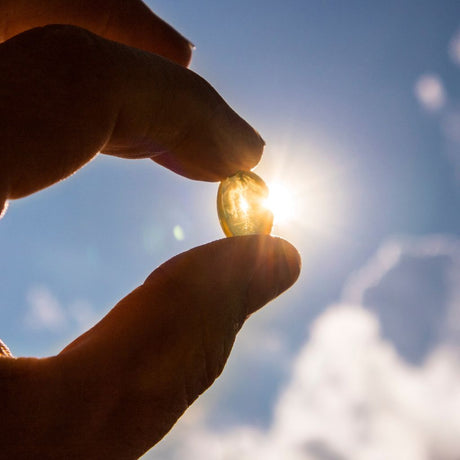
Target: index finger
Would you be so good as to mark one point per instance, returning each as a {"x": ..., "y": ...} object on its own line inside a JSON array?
[
  {"x": 127, "y": 21},
  {"x": 67, "y": 94}
]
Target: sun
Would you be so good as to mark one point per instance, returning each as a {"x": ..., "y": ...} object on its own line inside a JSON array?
[
  {"x": 302, "y": 205},
  {"x": 310, "y": 200},
  {"x": 281, "y": 202}
]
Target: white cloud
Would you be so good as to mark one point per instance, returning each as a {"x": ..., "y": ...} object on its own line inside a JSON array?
[
  {"x": 351, "y": 396},
  {"x": 429, "y": 91},
  {"x": 350, "y": 391},
  {"x": 44, "y": 311},
  {"x": 371, "y": 274},
  {"x": 410, "y": 285}
]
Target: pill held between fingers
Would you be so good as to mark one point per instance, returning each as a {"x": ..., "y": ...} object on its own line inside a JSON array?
[{"x": 241, "y": 205}]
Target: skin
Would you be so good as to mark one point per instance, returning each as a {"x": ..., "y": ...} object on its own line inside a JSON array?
[{"x": 67, "y": 94}]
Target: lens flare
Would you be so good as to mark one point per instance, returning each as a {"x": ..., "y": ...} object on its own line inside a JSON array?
[{"x": 281, "y": 202}]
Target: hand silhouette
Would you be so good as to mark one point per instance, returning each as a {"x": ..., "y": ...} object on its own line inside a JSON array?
[{"x": 113, "y": 80}]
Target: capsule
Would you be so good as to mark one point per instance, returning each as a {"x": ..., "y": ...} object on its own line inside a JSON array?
[{"x": 241, "y": 205}]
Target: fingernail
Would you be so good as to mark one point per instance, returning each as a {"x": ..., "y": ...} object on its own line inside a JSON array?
[
  {"x": 277, "y": 268},
  {"x": 3, "y": 201},
  {"x": 3, "y": 207}
]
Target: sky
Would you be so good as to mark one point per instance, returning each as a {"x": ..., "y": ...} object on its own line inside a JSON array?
[{"x": 359, "y": 105}]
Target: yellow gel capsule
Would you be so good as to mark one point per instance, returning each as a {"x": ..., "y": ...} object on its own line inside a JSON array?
[{"x": 241, "y": 205}]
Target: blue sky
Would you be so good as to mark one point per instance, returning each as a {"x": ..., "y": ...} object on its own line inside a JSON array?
[{"x": 359, "y": 104}]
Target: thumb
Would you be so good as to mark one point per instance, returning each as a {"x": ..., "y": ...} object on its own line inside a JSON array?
[{"x": 168, "y": 340}]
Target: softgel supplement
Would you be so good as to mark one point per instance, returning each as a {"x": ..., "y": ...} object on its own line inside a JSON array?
[{"x": 241, "y": 205}]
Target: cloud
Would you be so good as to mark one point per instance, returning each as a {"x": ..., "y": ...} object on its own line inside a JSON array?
[
  {"x": 409, "y": 286},
  {"x": 430, "y": 93},
  {"x": 352, "y": 395},
  {"x": 45, "y": 312}
]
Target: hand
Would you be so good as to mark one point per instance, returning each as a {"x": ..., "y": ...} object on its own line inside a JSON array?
[{"x": 66, "y": 94}]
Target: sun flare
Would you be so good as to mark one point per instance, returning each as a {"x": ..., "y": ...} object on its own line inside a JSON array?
[{"x": 281, "y": 202}]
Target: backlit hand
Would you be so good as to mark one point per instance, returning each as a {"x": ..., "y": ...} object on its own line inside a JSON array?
[{"x": 95, "y": 85}]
